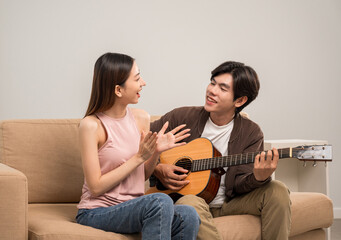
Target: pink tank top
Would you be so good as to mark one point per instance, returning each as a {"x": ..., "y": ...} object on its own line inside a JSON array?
[{"x": 123, "y": 138}]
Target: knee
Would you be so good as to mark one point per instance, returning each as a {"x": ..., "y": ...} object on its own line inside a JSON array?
[
  {"x": 161, "y": 201},
  {"x": 194, "y": 201},
  {"x": 279, "y": 192},
  {"x": 188, "y": 215}
]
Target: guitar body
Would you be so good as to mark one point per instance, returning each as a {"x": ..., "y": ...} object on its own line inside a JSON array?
[{"x": 204, "y": 184}]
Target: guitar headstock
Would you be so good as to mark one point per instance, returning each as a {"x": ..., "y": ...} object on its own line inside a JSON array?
[{"x": 313, "y": 153}]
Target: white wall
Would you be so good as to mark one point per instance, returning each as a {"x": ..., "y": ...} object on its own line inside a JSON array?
[{"x": 48, "y": 49}]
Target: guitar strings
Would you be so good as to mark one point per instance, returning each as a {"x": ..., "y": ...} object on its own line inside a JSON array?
[{"x": 231, "y": 160}]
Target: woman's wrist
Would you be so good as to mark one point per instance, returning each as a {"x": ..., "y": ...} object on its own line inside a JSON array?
[{"x": 138, "y": 158}]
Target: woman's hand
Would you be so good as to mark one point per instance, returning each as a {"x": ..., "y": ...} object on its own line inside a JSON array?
[
  {"x": 147, "y": 145},
  {"x": 169, "y": 140}
]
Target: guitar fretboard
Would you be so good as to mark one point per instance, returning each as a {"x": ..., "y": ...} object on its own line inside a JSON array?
[{"x": 232, "y": 160}]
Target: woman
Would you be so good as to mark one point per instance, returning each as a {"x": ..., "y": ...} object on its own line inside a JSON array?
[{"x": 119, "y": 153}]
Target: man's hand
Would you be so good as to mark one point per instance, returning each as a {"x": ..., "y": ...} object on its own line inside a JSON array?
[
  {"x": 265, "y": 166},
  {"x": 166, "y": 174}
]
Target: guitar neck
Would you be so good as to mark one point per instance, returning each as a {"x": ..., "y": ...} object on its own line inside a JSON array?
[{"x": 233, "y": 160}]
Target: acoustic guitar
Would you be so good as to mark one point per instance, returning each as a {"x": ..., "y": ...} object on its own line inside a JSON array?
[{"x": 205, "y": 165}]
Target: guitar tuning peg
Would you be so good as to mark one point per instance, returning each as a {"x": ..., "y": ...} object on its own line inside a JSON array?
[
  {"x": 304, "y": 164},
  {"x": 314, "y": 164}
]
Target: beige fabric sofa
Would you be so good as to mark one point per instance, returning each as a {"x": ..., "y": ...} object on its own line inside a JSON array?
[{"x": 41, "y": 179}]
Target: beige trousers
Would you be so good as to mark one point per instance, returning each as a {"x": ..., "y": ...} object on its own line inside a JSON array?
[{"x": 271, "y": 202}]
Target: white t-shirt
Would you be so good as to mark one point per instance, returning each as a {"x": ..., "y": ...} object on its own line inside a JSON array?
[{"x": 219, "y": 136}]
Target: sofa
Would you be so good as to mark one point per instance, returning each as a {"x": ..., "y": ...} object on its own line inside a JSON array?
[{"x": 41, "y": 180}]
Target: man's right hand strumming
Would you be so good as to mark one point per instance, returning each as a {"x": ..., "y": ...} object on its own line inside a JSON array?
[{"x": 167, "y": 175}]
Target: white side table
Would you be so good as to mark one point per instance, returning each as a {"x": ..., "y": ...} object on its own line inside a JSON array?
[{"x": 294, "y": 174}]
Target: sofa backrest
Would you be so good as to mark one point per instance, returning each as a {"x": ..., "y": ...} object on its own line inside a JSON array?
[{"x": 47, "y": 152}]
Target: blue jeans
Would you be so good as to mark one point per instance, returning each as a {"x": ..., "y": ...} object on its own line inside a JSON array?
[{"x": 154, "y": 215}]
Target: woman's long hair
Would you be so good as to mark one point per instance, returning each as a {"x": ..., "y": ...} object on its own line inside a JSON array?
[{"x": 111, "y": 69}]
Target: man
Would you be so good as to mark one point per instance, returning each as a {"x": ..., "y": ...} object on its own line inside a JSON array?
[{"x": 244, "y": 189}]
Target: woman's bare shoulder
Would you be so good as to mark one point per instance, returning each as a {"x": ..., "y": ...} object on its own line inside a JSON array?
[
  {"x": 140, "y": 114},
  {"x": 142, "y": 118},
  {"x": 89, "y": 123}
]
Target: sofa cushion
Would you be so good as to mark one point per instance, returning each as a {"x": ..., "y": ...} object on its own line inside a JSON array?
[
  {"x": 317, "y": 234},
  {"x": 311, "y": 211},
  {"x": 239, "y": 227},
  {"x": 57, "y": 221},
  {"x": 47, "y": 152}
]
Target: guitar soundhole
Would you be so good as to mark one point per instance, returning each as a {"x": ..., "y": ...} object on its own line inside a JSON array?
[{"x": 185, "y": 163}]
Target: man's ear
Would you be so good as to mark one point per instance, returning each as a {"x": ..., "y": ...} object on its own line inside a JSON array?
[
  {"x": 240, "y": 101},
  {"x": 118, "y": 92}
]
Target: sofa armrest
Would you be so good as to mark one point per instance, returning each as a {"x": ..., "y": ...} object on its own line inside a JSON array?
[{"x": 13, "y": 203}]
